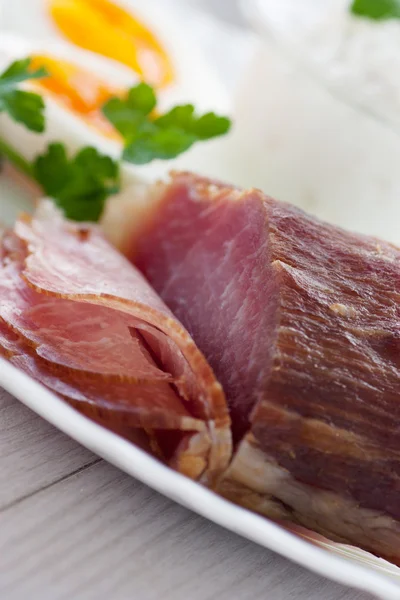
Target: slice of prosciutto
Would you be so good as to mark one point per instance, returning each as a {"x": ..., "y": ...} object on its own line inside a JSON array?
[
  {"x": 301, "y": 323},
  {"x": 80, "y": 319}
]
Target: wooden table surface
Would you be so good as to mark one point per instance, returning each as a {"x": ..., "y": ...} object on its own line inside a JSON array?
[{"x": 72, "y": 527}]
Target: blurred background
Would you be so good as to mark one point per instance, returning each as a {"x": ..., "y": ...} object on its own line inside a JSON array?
[
  {"x": 224, "y": 9},
  {"x": 224, "y": 35}
]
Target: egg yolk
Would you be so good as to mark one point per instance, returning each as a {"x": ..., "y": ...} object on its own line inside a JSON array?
[
  {"x": 77, "y": 90},
  {"x": 107, "y": 29}
]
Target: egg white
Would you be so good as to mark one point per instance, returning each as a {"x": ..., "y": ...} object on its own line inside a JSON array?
[
  {"x": 30, "y": 31},
  {"x": 33, "y": 32},
  {"x": 196, "y": 80}
]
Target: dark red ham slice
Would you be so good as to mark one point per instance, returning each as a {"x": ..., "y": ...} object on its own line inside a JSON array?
[
  {"x": 150, "y": 405},
  {"x": 54, "y": 326},
  {"x": 79, "y": 318},
  {"x": 301, "y": 323}
]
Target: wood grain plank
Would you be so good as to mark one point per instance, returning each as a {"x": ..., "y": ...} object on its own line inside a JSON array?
[
  {"x": 33, "y": 454},
  {"x": 100, "y": 534}
]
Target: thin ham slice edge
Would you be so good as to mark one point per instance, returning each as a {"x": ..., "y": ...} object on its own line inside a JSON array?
[{"x": 79, "y": 318}]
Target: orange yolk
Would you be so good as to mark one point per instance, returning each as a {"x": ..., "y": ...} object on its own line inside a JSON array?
[
  {"x": 107, "y": 29},
  {"x": 77, "y": 90}
]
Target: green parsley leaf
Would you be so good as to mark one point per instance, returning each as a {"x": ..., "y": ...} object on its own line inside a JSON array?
[
  {"x": 161, "y": 144},
  {"x": 142, "y": 98},
  {"x": 24, "y": 107},
  {"x": 164, "y": 137},
  {"x": 80, "y": 185},
  {"x": 377, "y": 9},
  {"x": 18, "y": 72},
  {"x": 184, "y": 118},
  {"x": 129, "y": 115}
]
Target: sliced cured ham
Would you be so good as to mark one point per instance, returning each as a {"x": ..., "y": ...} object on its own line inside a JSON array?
[
  {"x": 79, "y": 318},
  {"x": 301, "y": 323}
]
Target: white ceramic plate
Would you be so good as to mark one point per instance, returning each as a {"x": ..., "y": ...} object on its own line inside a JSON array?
[{"x": 344, "y": 564}]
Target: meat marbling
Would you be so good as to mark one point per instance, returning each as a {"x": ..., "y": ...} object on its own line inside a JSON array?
[{"x": 301, "y": 323}]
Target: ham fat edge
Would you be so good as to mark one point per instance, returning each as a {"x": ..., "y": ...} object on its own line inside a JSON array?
[
  {"x": 300, "y": 322},
  {"x": 80, "y": 319}
]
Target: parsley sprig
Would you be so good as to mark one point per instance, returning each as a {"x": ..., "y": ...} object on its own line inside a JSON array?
[
  {"x": 22, "y": 106},
  {"x": 81, "y": 184},
  {"x": 376, "y": 9},
  {"x": 148, "y": 137}
]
